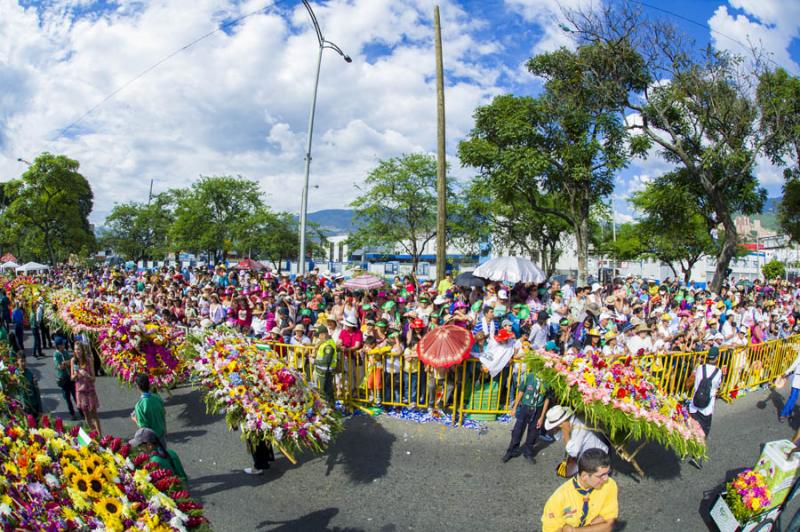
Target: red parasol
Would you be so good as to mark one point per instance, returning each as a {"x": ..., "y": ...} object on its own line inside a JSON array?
[
  {"x": 249, "y": 264},
  {"x": 445, "y": 346}
]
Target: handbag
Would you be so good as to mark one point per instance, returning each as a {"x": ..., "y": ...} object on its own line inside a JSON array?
[{"x": 567, "y": 468}]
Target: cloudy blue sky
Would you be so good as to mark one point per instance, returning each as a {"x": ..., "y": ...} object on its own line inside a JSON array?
[{"x": 237, "y": 102}]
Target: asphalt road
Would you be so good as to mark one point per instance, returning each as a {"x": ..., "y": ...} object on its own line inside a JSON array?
[{"x": 387, "y": 474}]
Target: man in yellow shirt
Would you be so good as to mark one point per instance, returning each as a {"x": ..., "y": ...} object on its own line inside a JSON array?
[{"x": 586, "y": 502}]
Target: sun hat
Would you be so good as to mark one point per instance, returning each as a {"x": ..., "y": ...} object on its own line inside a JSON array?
[
  {"x": 594, "y": 332},
  {"x": 143, "y": 435},
  {"x": 439, "y": 300},
  {"x": 350, "y": 322},
  {"x": 610, "y": 335},
  {"x": 275, "y": 330},
  {"x": 556, "y": 416},
  {"x": 506, "y": 322},
  {"x": 666, "y": 317},
  {"x": 642, "y": 327},
  {"x": 596, "y": 287},
  {"x": 322, "y": 330},
  {"x": 299, "y": 327}
]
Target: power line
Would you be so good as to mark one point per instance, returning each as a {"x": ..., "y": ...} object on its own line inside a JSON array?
[
  {"x": 691, "y": 21},
  {"x": 157, "y": 64}
]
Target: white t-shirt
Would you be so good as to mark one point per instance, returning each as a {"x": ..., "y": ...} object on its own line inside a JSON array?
[
  {"x": 715, "y": 384},
  {"x": 581, "y": 439},
  {"x": 538, "y": 336}
]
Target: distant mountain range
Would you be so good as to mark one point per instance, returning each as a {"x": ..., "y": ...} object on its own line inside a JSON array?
[
  {"x": 333, "y": 221},
  {"x": 769, "y": 215}
]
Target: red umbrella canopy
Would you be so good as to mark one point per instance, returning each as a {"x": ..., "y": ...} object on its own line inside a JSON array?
[
  {"x": 249, "y": 264},
  {"x": 445, "y": 346}
]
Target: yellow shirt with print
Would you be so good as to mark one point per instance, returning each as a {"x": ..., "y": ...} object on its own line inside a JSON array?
[{"x": 565, "y": 505}]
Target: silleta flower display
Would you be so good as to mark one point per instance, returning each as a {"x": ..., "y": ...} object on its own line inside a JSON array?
[
  {"x": 620, "y": 396},
  {"x": 134, "y": 344},
  {"x": 52, "y": 480},
  {"x": 261, "y": 395},
  {"x": 747, "y": 495}
]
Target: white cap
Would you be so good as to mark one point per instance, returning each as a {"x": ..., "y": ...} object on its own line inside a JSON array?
[{"x": 502, "y": 294}]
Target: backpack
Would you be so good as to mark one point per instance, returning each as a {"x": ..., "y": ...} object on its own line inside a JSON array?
[{"x": 702, "y": 397}]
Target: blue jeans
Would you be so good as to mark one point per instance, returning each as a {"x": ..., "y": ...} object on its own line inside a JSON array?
[
  {"x": 410, "y": 380},
  {"x": 391, "y": 387},
  {"x": 790, "y": 402}
]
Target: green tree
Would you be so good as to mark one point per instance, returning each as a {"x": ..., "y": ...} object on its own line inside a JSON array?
[
  {"x": 398, "y": 206},
  {"x": 211, "y": 212},
  {"x": 789, "y": 208},
  {"x": 139, "y": 231},
  {"x": 698, "y": 109},
  {"x": 274, "y": 236},
  {"x": 674, "y": 225},
  {"x": 511, "y": 225},
  {"x": 774, "y": 269},
  {"x": 558, "y": 152},
  {"x": 49, "y": 207}
]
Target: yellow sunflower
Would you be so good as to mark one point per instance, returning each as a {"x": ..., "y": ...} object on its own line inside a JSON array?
[
  {"x": 108, "y": 509},
  {"x": 96, "y": 485},
  {"x": 69, "y": 473},
  {"x": 81, "y": 483},
  {"x": 92, "y": 463}
]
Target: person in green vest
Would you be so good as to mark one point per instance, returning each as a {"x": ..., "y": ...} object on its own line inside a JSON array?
[
  {"x": 325, "y": 363},
  {"x": 530, "y": 407},
  {"x": 149, "y": 411},
  {"x": 149, "y": 443}
]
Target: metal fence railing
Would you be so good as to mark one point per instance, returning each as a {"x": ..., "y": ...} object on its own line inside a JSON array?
[{"x": 390, "y": 379}]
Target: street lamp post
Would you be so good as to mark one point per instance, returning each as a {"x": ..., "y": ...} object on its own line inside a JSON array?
[{"x": 301, "y": 265}]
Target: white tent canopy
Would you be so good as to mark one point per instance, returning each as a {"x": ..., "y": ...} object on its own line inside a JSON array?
[
  {"x": 9, "y": 264},
  {"x": 32, "y": 267},
  {"x": 510, "y": 269}
]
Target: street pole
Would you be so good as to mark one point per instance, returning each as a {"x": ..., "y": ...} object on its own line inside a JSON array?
[
  {"x": 323, "y": 43},
  {"x": 441, "y": 166},
  {"x": 301, "y": 263}
]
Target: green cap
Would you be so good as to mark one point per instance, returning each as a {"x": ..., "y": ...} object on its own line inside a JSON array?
[
  {"x": 477, "y": 305},
  {"x": 322, "y": 329},
  {"x": 305, "y": 312},
  {"x": 381, "y": 324},
  {"x": 389, "y": 305}
]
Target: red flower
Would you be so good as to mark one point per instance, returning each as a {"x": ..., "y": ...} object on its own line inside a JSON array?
[
  {"x": 59, "y": 425},
  {"x": 621, "y": 393},
  {"x": 45, "y": 422}
]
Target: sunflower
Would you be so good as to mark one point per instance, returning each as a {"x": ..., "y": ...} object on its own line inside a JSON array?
[
  {"x": 108, "y": 508},
  {"x": 91, "y": 464},
  {"x": 96, "y": 485},
  {"x": 69, "y": 472},
  {"x": 81, "y": 483}
]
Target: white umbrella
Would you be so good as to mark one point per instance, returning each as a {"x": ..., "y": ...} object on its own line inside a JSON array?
[
  {"x": 32, "y": 267},
  {"x": 9, "y": 264},
  {"x": 510, "y": 269}
]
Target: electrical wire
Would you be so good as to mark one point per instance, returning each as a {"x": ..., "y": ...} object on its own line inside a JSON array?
[{"x": 155, "y": 65}]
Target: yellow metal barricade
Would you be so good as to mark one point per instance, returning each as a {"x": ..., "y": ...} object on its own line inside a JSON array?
[
  {"x": 392, "y": 380},
  {"x": 482, "y": 394}
]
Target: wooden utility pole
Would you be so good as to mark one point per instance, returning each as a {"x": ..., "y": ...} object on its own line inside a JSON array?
[{"x": 441, "y": 167}]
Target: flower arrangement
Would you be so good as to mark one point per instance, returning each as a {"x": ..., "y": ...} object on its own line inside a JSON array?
[
  {"x": 52, "y": 481},
  {"x": 135, "y": 344},
  {"x": 262, "y": 395},
  {"x": 747, "y": 495},
  {"x": 19, "y": 281},
  {"x": 619, "y": 395},
  {"x": 87, "y": 315}
]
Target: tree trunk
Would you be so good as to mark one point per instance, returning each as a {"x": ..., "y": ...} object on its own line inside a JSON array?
[
  {"x": 582, "y": 245},
  {"x": 687, "y": 273},
  {"x": 50, "y": 250},
  {"x": 728, "y": 249}
]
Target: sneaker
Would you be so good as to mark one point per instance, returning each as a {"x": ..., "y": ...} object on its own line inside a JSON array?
[
  {"x": 507, "y": 457},
  {"x": 546, "y": 438},
  {"x": 695, "y": 463},
  {"x": 253, "y": 471}
]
